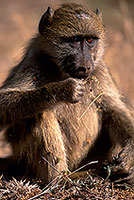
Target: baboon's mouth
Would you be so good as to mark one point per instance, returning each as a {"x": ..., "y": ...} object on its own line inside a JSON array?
[
  {"x": 79, "y": 75},
  {"x": 75, "y": 73}
]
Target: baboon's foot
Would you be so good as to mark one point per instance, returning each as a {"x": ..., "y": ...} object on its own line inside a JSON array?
[{"x": 123, "y": 164}]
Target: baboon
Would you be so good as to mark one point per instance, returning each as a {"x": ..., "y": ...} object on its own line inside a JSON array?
[{"x": 60, "y": 106}]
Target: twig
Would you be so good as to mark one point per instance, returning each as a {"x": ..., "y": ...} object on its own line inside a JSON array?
[
  {"x": 45, "y": 190},
  {"x": 90, "y": 105},
  {"x": 55, "y": 169},
  {"x": 93, "y": 162},
  {"x": 109, "y": 172},
  {"x": 50, "y": 165}
]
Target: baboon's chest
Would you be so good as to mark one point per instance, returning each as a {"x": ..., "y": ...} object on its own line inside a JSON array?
[{"x": 79, "y": 126}]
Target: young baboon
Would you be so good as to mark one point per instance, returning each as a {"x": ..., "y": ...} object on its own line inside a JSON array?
[{"x": 59, "y": 105}]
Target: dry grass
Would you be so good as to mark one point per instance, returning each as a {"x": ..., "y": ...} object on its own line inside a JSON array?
[{"x": 92, "y": 187}]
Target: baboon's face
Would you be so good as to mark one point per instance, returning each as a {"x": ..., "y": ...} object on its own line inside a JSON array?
[
  {"x": 75, "y": 39},
  {"x": 77, "y": 55}
]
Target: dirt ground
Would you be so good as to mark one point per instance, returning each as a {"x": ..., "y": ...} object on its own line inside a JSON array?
[{"x": 90, "y": 188}]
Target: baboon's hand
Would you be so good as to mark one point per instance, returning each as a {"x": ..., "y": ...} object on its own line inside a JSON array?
[
  {"x": 125, "y": 164},
  {"x": 72, "y": 90}
]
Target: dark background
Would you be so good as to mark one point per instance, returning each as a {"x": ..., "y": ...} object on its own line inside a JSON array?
[{"x": 19, "y": 21}]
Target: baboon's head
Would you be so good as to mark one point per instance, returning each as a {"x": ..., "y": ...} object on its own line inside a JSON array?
[{"x": 74, "y": 37}]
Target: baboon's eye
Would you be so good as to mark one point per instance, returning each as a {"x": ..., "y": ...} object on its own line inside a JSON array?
[
  {"x": 76, "y": 39},
  {"x": 90, "y": 40},
  {"x": 73, "y": 39}
]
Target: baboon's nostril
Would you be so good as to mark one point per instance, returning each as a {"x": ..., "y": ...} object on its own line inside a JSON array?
[
  {"x": 89, "y": 68},
  {"x": 82, "y": 69}
]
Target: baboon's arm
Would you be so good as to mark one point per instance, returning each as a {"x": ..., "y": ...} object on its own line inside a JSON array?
[
  {"x": 17, "y": 104},
  {"x": 120, "y": 119}
]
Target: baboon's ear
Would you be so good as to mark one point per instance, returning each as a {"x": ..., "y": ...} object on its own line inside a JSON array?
[
  {"x": 97, "y": 12},
  {"x": 45, "y": 20}
]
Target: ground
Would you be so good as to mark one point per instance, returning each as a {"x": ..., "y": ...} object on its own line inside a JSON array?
[{"x": 92, "y": 187}]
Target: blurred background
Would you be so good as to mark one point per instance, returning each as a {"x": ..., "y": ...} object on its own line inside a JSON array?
[{"x": 19, "y": 21}]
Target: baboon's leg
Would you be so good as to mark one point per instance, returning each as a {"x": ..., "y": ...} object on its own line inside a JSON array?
[{"x": 53, "y": 160}]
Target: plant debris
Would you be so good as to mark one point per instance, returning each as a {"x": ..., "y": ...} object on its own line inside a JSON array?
[{"x": 93, "y": 187}]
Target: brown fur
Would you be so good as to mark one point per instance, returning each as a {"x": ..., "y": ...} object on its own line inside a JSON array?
[{"x": 51, "y": 118}]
